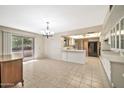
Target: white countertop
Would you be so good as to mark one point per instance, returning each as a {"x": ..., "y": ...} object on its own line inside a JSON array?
[
  {"x": 113, "y": 57},
  {"x": 73, "y": 50},
  {"x": 5, "y": 58}
]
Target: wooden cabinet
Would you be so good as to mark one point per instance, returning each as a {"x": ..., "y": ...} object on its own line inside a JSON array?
[{"x": 11, "y": 72}]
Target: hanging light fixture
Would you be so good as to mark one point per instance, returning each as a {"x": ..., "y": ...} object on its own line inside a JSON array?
[{"x": 47, "y": 33}]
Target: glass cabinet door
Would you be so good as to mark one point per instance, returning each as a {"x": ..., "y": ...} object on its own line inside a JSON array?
[
  {"x": 113, "y": 38},
  {"x": 122, "y": 33},
  {"x": 117, "y": 36}
]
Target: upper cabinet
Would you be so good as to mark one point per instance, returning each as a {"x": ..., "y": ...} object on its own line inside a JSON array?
[
  {"x": 122, "y": 33},
  {"x": 113, "y": 38},
  {"x": 117, "y": 35}
]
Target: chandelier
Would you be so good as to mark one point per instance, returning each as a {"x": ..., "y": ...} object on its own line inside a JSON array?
[{"x": 47, "y": 33}]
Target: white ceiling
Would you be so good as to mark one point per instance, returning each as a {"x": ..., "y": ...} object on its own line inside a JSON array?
[{"x": 61, "y": 18}]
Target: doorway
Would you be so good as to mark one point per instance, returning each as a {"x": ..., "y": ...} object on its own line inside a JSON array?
[
  {"x": 24, "y": 46},
  {"x": 93, "y": 49}
]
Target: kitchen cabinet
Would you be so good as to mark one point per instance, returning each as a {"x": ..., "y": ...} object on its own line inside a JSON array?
[
  {"x": 113, "y": 65},
  {"x": 117, "y": 36},
  {"x": 11, "y": 70},
  {"x": 75, "y": 56},
  {"x": 113, "y": 38},
  {"x": 122, "y": 34},
  {"x": 107, "y": 66}
]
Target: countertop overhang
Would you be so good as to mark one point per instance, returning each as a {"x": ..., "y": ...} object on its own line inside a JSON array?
[
  {"x": 113, "y": 57},
  {"x": 6, "y": 58}
]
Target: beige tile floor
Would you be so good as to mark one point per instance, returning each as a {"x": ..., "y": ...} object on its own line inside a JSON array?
[{"x": 48, "y": 73}]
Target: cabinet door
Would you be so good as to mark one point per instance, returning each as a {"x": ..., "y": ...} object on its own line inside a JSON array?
[
  {"x": 113, "y": 38},
  {"x": 65, "y": 56},
  {"x": 11, "y": 73},
  {"x": 117, "y": 36},
  {"x": 122, "y": 34}
]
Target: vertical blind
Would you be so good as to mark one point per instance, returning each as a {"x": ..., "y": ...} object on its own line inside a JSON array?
[{"x": 6, "y": 43}]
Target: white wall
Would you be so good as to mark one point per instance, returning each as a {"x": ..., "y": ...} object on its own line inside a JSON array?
[
  {"x": 39, "y": 47},
  {"x": 53, "y": 45}
]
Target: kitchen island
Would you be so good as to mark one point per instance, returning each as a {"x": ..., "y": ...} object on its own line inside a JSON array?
[
  {"x": 11, "y": 70},
  {"x": 75, "y": 56}
]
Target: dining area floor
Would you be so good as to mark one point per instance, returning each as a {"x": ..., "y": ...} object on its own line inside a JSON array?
[{"x": 49, "y": 73}]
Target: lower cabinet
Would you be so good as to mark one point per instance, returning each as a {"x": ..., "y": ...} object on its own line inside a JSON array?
[
  {"x": 74, "y": 56},
  {"x": 117, "y": 74},
  {"x": 11, "y": 73},
  {"x": 107, "y": 67},
  {"x": 114, "y": 72}
]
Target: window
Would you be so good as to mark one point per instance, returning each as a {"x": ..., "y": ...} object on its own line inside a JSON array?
[
  {"x": 122, "y": 33},
  {"x": 27, "y": 47},
  {"x": 16, "y": 44},
  {"x": 24, "y": 45}
]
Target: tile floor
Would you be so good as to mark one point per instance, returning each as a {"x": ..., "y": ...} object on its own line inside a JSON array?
[{"x": 48, "y": 73}]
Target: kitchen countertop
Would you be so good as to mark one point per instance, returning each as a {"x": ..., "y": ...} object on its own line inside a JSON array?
[
  {"x": 5, "y": 58},
  {"x": 113, "y": 56},
  {"x": 73, "y": 50}
]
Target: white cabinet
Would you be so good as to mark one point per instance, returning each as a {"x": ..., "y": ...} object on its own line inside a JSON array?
[
  {"x": 117, "y": 36},
  {"x": 113, "y": 38},
  {"x": 65, "y": 56},
  {"x": 75, "y": 56},
  {"x": 122, "y": 33},
  {"x": 107, "y": 66}
]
